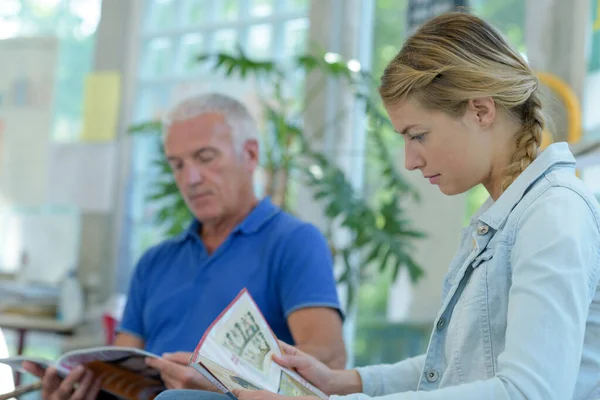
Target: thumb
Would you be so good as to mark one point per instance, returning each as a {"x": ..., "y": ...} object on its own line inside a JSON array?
[
  {"x": 180, "y": 357},
  {"x": 33, "y": 368}
]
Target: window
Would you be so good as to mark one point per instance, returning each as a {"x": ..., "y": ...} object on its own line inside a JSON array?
[
  {"x": 74, "y": 22},
  {"x": 173, "y": 33}
]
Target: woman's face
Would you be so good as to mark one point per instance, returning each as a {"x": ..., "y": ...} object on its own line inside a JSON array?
[{"x": 456, "y": 154}]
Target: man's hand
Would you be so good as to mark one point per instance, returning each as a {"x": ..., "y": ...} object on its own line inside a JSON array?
[
  {"x": 242, "y": 394},
  {"x": 177, "y": 374},
  {"x": 78, "y": 385}
]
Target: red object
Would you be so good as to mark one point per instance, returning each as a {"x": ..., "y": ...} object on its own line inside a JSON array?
[{"x": 110, "y": 327}]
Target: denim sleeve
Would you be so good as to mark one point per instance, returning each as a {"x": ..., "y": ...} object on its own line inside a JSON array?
[
  {"x": 379, "y": 380},
  {"x": 306, "y": 272},
  {"x": 555, "y": 261}
]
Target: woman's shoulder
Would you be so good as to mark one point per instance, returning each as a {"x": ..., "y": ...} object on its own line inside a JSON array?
[{"x": 559, "y": 201}]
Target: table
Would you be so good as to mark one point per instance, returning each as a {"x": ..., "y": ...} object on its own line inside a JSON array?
[{"x": 23, "y": 324}]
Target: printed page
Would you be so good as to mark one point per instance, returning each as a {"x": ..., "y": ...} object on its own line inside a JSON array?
[
  {"x": 222, "y": 378},
  {"x": 127, "y": 358},
  {"x": 125, "y": 384},
  {"x": 16, "y": 362},
  {"x": 240, "y": 340}
]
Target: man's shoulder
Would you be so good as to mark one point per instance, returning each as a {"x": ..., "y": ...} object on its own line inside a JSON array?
[
  {"x": 287, "y": 225},
  {"x": 162, "y": 252}
]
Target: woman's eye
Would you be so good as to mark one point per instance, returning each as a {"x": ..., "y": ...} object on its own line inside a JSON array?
[{"x": 417, "y": 137}]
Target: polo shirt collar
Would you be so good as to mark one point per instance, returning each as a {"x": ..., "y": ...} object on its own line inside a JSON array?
[{"x": 264, "y": 211}]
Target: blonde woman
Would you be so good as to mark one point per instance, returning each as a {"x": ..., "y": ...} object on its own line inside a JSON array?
[{"x": 520, "y": 317}]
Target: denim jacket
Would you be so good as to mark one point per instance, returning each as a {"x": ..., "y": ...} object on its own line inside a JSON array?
[{"x": 520, "y": 317}]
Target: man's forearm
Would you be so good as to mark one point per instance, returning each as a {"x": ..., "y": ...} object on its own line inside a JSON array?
[{"x": 332, "y": 355}]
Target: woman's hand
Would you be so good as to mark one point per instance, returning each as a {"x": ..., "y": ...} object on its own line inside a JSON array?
[
  {"x": 329, "y": 381},
  {"x": 307, "y": 366}
]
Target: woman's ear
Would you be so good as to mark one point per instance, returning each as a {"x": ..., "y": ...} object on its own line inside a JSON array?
[{"x": 483, "y": 110}]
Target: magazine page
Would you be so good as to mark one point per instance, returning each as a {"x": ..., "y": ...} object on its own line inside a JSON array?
[
  {"x": 224, "y": 379},
  {"x": 127, "y": 358},
  {"x": 16, "y": 363},
  {"x": 125, "y": 384},
  {"x": 240, "y": 340}
]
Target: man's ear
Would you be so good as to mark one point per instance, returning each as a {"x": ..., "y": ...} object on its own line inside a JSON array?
[
  {"x": 250, "y": 153},
  {"x": 483, "y": 111}
]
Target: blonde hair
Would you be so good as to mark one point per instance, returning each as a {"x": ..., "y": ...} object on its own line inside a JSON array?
[{"x": 457, "y": 57}]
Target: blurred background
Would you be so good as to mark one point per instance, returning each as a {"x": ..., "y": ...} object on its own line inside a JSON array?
[{"x": 84, "y": 191}]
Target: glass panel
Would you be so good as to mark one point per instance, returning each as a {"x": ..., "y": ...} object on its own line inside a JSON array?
[
  {"x": 157, "y": 57},
  {"x": 147, "y": 150},
  {"x": 259, "y": 41},
  {"x": 10, "y": 7},
  {"x": 151, "y": 103},
  {"x": 296, "y": 34},
  {"x": 196, "y": 12},
  {"x": 296, "y": 5},
  {"x": 261, "y": 8},
  {"x": 225, "y": 41},
  {"x": 227, "y": 9},
  {"x": 507, "y": 16},
  {"x": 145, "y": 235},
  {"x": 190, "y": 47},
  {"x": 160, "y": 15}
]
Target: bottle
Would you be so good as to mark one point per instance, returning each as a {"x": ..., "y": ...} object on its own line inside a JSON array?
[{"x": 71, "y": 300}]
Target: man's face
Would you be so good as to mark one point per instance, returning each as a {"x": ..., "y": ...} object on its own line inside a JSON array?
[{"x": 211, "y": 175}]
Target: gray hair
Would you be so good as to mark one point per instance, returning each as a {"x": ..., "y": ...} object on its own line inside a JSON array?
[{"x": 238, "y": 117}]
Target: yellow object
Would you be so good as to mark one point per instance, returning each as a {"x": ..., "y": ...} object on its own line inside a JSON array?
[
  {"x": 596, "y": 26},
  {"x": 102, "y": 100},
  {"x": 571, "y": 104}
]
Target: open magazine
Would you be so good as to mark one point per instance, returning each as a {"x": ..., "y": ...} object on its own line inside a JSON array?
[
  {"x": 236, "y": 353},
  {"x": 123, "y": 371}
]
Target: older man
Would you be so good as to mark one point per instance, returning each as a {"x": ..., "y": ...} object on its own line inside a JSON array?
[{"x": 181, "y": 285}]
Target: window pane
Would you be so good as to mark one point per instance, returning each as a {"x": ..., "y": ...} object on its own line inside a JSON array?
[
  {"x": 296, "y": 5},
  {"x": 147, "y": 150},
  {"x": 261, "y": 8},
  {"x": 190, "y": 47},
  {"x": 196, "y": 12},
  {"x": 10, "y": 7},
  {"x": 160, "y": 15},
  {"x": 151, "y": 103},
  {"x": 227, "y": 9},
  {"x": 157, "y": 57},
  {"x": 225, "y": 41},
  {"x": 259, "y": 41},
  {"x": 295, "y": 33}
]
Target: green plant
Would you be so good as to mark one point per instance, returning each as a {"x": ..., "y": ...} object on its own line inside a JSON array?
[{"x": 381, "y": 236}]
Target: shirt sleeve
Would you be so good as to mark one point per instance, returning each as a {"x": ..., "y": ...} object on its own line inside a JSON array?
[
  {"x": 380, "y": 380},
  {"x": 132, "y": 321},
  {"x": 555, "y": 262},
  {"x": 306, "y": 272}
]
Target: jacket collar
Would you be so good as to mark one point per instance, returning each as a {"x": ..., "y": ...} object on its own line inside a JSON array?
[{"x": 494, "y": 214}]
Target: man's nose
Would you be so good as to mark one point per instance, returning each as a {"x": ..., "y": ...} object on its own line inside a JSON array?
[
  {"x": 193, "y": 176},
  {"x": 412, "y": 159}
]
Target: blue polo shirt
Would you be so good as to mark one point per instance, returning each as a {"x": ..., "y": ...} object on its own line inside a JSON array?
[{"x": 178, "y": 289}]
